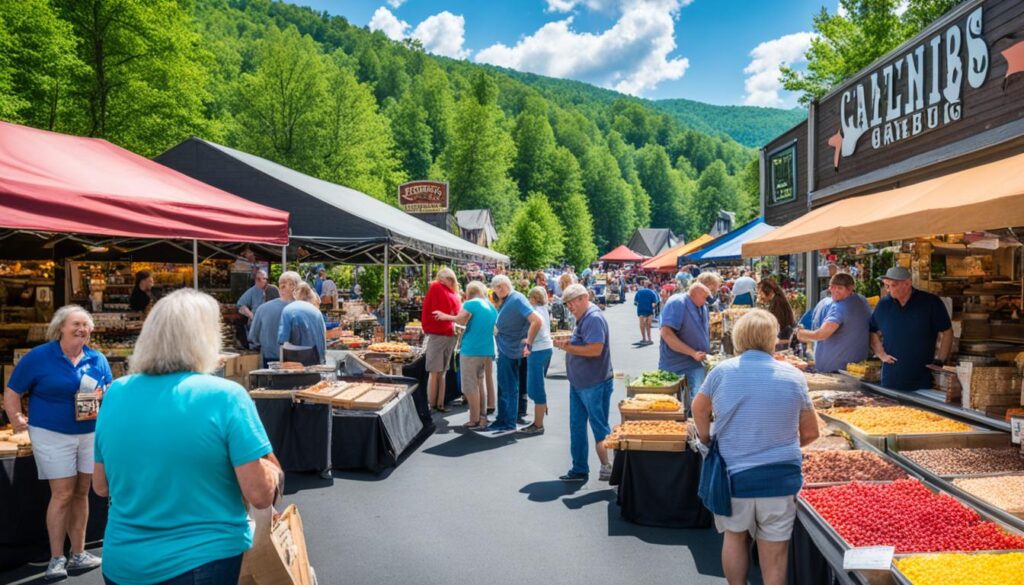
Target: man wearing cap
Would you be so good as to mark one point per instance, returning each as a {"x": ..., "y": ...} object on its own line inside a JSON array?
[
  {"x": 904, "y": 329},
  {"x": 842, "y": 336}
]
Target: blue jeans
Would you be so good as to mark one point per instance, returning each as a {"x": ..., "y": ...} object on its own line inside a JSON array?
[
  {"x": 694, "y": 379},
  {"x": 508, "y": 392},
  {"x": 219, "y": 572},
  {"x": 590, "y": 404},
  {"x": 536, "y": 369}
]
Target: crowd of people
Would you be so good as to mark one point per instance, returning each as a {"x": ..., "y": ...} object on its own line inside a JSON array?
[{"x": 195, "y": 527}]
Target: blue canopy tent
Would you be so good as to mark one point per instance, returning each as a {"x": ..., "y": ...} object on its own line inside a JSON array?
[{"x": 728, "y": 246}]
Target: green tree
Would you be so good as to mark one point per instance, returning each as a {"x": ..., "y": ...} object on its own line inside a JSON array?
[
  {"x": 715, "y": 192},
  {"x": 608, "y": 197},
  {"x": 535, "y": 145},
  {"x": 748, "y": 192},
  {"x": 480, "y": 154},
  {"x": 533, "y": 239},
  {"x": 354, "y": 139},
  {"x": 665, "y": 188},
  {"x": 144, "y": 85},
  {"x": 412, "y": 135},
  {"x": 578, "y": 231},
  {"x": 280, "y": 101},
  {"x": 37, "y": 64},
  {"x": 847, "y": 43},
  {"x": 435, "y": 94},
  {"x": 625, "y": 155}
]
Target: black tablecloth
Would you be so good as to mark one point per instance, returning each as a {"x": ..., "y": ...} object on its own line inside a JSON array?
[
  {"x": 417, "y": 370},
  {"x": 315, "y": 437},
  {"x": 23, "y": 501},
  {"x": 807, "y": 566},
  {"x": 660, "y": 489},
  {"x": 299, "y": 433}
]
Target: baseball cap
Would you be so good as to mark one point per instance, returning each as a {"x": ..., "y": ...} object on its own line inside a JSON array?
[{"x": 896, "y": 273}]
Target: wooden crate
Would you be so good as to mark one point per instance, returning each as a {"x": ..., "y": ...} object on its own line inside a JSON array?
[
  {"x": 672, "y": 389},
  {"x": 652, "y": 445},
  {"x": 375, "y": 399}
]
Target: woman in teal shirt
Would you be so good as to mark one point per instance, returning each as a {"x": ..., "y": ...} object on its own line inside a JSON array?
[
  {"x": 177, "y": 450},
  {"x": 478, "y": 315}
]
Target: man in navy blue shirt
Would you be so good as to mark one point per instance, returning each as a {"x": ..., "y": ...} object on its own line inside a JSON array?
[
  {"x": 904, "y": 329},
  {"x": 645, "y": 301},
  {"x": 685, "y": 336}
]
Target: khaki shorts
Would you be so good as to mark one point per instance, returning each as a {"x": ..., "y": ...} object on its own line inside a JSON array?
[
  {"x": 473, "y": 370},
  {"x": 764, "y": 518},
  {"x": 439, "y": 352}
]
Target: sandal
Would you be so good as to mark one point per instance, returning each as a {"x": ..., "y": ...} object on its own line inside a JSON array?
[{"x": 470, "y": 425}]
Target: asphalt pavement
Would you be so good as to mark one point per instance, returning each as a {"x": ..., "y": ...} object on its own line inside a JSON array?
[{"x": 467, "y": 507}]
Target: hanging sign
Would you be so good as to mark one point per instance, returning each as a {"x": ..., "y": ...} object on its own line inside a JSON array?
[{"x": 423, "y": 197}]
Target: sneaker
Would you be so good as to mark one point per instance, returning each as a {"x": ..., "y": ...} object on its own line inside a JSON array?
[
  {"x": 606, "y": 473},
  {"x": 574, "y": 477},
  {"x": 57, "y": 569},
  {"x": 532, "y": 430},
  {"x": 521, "y": 420},
  {"x": 83, "y": 560}
]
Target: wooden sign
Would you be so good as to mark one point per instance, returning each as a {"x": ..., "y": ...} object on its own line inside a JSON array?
[{"x": 423, "y": 197}]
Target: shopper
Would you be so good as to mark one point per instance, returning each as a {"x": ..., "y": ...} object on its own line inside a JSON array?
[
  {"x": 645, "y": 300},
  {"x": 743, "y": 290},
  {"x": 770, "y": 294},
  {"x": 177, "y": 450},
  {"x": 442, "y": 297},
  {"x": 905, "y": 327},
  {"x": 53, "y": 374},
  {"x": 257, "y": 294},
  {"x": 763, "y": 415},
  {"x": 302, "y": 323},
  {"x": 266, "y": 320},
  {"x": 538, "y": 361},
  {"x": 328, "y": 290},
  {"x": 588, "y": 365},
  {"x": 478, "y": 315},
  {"x": 142, "y": 294},
  {"x": 517, "y": 327},
  {"x": 843, "y": 335},
  {"x": 686, "y": 336}
]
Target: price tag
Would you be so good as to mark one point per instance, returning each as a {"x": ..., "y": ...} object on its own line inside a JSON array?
[
  {"x": 1016, "y": 429},
  {"x": 868, "y": 558}
]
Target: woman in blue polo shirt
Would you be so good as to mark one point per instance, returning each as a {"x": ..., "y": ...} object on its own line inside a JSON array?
[{"x": 52, "y": 375}]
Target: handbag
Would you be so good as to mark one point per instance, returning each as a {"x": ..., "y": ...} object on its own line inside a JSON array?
[{"x": 714, "y": 489}]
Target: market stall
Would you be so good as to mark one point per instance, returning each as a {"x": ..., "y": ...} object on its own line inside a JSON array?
[
  {"x": 726, "y": 248},
  {"x": 667, "y": 261}
]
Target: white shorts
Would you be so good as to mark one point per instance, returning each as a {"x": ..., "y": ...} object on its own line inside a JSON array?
[
  {"x": 764, "y": 518},
  {"x": 59, "y": 455}
]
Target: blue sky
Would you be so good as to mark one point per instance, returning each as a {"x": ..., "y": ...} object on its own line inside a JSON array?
[{"x": 717, "y": 51}]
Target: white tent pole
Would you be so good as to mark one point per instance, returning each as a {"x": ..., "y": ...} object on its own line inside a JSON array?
[
  {"x": 195, "y": 264},
  {"x": 284, "y": 258},
  {"x": 387, "y": 293}
]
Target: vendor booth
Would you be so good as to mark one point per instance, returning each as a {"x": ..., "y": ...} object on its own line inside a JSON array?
[
  {"x": 667, "y": 261},
  {"x": 726, "y": 248},
  {"x": 921, "y": 172},
  {"x": 64, "y": 197}
]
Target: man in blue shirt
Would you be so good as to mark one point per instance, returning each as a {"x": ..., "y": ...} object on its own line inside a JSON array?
[
  {"x": 516, "y": 327},
  {"x": 257, "y": 294},
  {"x": 267, "y": 320},
  {"x": 588, "y": 364},
  {"x": 686, "y": 335},
  {"x": 645, "y": 301},
  {"x": 842, "y": 337},
  {"x": 904, "y": 329}
]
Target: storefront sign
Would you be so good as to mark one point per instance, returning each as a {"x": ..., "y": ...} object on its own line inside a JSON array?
[
  {"x": 782, "y": 165},
  {"x": 423, "y": 197},
  {"x": 921, "y": 91}
]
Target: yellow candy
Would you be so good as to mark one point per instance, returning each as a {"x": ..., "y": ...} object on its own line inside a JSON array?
[
  {"x": 963, "y": 569},
  {"x": 898, "y": 420}
]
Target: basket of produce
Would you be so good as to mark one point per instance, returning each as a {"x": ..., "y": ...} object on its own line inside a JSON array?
[
  {"x": 894, "y": 420},
  {"x": 1005, "y": 492},
  {"x": 654, "y": 382},
  {"x": 648, "y": 435},
  {"x": 957, "y": 461},
  {"x": 956, "y": 568},
  {"x": 832, "y": 467},
  {"x": 652, "y": 407},
  {"x": 867, "y": 370}
]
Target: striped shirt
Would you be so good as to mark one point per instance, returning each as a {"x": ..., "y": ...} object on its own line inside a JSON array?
[{"x": 757, "y": 401}]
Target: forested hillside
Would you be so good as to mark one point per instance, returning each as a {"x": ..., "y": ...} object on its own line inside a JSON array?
[
  {"x": 748, "y": 125},
  {"x": 568, "y": 170}
]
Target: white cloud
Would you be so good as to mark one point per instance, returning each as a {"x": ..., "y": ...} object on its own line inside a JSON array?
[
  {"x": 633, "y": 56},
  {"x": 443, "y": 33},
  {"x": 763, "y": 85},
  {"x": 396, "y": 3},
  {"x": 386, "y": 22}
]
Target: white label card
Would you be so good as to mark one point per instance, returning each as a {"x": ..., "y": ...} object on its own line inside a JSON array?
[
  {"x": 868, "y": 558},
  {"x": 88, "y": 384},
  {"x": 1016, "y": 429}
]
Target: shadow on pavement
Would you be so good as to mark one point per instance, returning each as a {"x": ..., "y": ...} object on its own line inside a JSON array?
[
  {"x": 549, "y": 491},
  {"x": 470, "y": 442},
  {"x": 593, "y": 497}
]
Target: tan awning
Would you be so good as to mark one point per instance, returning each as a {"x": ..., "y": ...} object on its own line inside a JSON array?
[{"x": 985, "y": 197}]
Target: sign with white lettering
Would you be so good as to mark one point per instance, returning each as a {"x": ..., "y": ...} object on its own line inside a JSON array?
[
  {"x": 423, "y": 197},
  {"x": 920, "y": 91}
]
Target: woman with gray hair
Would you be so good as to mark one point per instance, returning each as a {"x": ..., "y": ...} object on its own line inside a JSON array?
[
  {"x": 62, "y": 378},
  {"x": 477, "y": 316},
  {"x": 763, "y": 415},
  {"x": 180, "y": 452}
]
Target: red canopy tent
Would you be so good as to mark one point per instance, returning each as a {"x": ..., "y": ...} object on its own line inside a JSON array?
[
  {"x": 621, "y": 255},
  {"x": 52, "y": 182}
]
